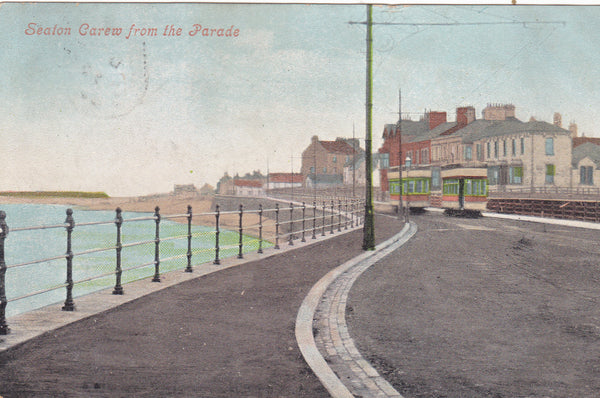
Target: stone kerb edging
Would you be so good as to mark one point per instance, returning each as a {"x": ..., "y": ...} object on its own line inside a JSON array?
[{"x": 306, "y": 313}]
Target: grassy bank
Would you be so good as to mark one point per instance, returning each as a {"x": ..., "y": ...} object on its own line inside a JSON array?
[{"x": 54, "y": 194}]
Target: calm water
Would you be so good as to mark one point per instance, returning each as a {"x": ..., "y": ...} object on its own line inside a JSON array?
[{"x": 26, "y": 246}]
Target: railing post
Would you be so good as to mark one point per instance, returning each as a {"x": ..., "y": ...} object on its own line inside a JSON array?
[
  {"x": 339, "y": 215},
  {"x": 69, "y": 305},
  {"x": 217, "y": 232},
  {"x": 291, "y": 237},
  {"x": 276, "y": 225},
  {"x": 4, "y": 329},
  {"x": 303, "y": 221},
  {"x": 332, "y": 216},
  {"x": 119, "y": 247},
  {"x": 314, "y": 228},
  {"x": 157, "y": 246},
  {"x": 189, "y": 251},
  {"x": 346, "y": 218},
  {"x": 240, "y": 255},
  {"x": 323, "y": 226},
  {"x": 260, "y": 227}
]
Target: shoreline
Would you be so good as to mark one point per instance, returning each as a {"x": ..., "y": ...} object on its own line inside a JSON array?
[{"x": 168, "y": 204}]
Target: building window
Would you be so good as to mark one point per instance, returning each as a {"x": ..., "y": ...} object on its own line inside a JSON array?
[
  {"x": 334, "y": 159},
  {"x": 451, "y": 187},
  {"x": 489, "y": 150},
  {"x": 478, "y": 152},
  {"x": 468, "y": 152},
  {"x": 385, "y": 160},
  {"x": 416, "y": 158},
  {"x": 312, "y": 169},
  {"x": 550, "y": 172},
  {"x": 522, "y": 145},
  {"x": 347, "y": 158},
  {"x": 496, "y": 149},
  {"x": 516, "y": 175},
  {"x": 504, "y": 148},
  {"x": 425, "y": 156},
  {"x": 435, "y": 178},
  {"x": 324, "y": 170},
  {"x": 493, "y": 175},
  {"x": 408, "y": 156},
  {"x": 514, "y": 147},
  {"x": 549, "y": 146},
  {"x": 586, "y": 175}
]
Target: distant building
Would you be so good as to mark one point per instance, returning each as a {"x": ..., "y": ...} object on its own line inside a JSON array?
[
  {"x": 323, "y": 161},
  {"x": 207, "y": 189},
  {"x": 243, "y": 187},
  {"x": 355, "y": 172},
  {"x": 188, "y": 189},
  {"x": 285, "y": 180}
]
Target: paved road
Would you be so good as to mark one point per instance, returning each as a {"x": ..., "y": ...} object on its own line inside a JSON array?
[
  {"x": 227, "y": 334},
  {"x": 484, "y": 308}
]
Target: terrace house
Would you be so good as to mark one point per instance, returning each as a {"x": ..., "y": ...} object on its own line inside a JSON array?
[
  {"x": 531, "y": 154},
  {"x": 414, "y": 137}
]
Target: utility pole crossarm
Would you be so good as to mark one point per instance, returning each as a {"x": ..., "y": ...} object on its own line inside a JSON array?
[{"x": 524, "y": 23}]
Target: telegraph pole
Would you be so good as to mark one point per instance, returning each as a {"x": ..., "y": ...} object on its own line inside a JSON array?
[
  {"x": 369, "y": 227},
  {"x": 399, "y": 134},
  {"x": 353, "y": 162}
]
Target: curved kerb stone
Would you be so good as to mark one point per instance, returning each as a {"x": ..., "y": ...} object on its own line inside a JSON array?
[{"x": 323, "y": 309}]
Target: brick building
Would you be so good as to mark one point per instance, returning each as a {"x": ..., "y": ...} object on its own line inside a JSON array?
[
  {"x": 323, "y": 161},
  {"x": 528, "y": 154}
]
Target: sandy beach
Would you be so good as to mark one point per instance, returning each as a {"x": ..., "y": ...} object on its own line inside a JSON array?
[{"x": 170, "y": 205}]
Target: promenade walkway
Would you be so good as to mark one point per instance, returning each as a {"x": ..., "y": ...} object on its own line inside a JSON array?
[{"x": 223, "y": 334}]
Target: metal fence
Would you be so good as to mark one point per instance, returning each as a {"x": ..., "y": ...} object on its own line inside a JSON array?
[
  {"x": 255, "y": 228},
  {"x": 545, "y": 192}
]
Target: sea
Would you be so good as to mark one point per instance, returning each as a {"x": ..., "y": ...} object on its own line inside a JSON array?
[{"x": 23, "y": 281}]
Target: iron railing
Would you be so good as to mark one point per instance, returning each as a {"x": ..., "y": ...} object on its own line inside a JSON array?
[{"x": 299, "y": 221}]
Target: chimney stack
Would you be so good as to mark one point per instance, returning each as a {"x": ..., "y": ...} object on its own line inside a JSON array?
[
  {"x": 557, "y": 119},
  {"x": 435, "y": 119},
  {"x": 573, "y": 129},
  {"x": 465, "y": 115}
]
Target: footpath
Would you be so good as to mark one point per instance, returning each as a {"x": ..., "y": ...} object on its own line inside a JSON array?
[{"x": 222, "y": 334}]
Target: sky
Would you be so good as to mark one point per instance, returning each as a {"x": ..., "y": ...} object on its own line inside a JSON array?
[{"x": 135, "y": 114}]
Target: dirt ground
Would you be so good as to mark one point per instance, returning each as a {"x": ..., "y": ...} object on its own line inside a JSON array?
[
  {"x": 484, "y": 308},
  {"x": 227, "y": 334}
]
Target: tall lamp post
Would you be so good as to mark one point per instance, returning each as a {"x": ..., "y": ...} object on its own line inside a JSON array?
[
  {"x": 408, "y": 162},
  {"x": 369, "y": 227}
]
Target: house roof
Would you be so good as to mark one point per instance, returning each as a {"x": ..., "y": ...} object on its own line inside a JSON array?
[
  {"x": 586, "y": 150},
  {"x": 514, "y": 125},
  {"x": 582, "y": 140},
  {"x": 430, "y": 134},
  {"x": 337, "y": 146},
  {"x": 409, "y": 128},
  {"x": 247, "y": 183},
  {"x": 285, "y": 177}
]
